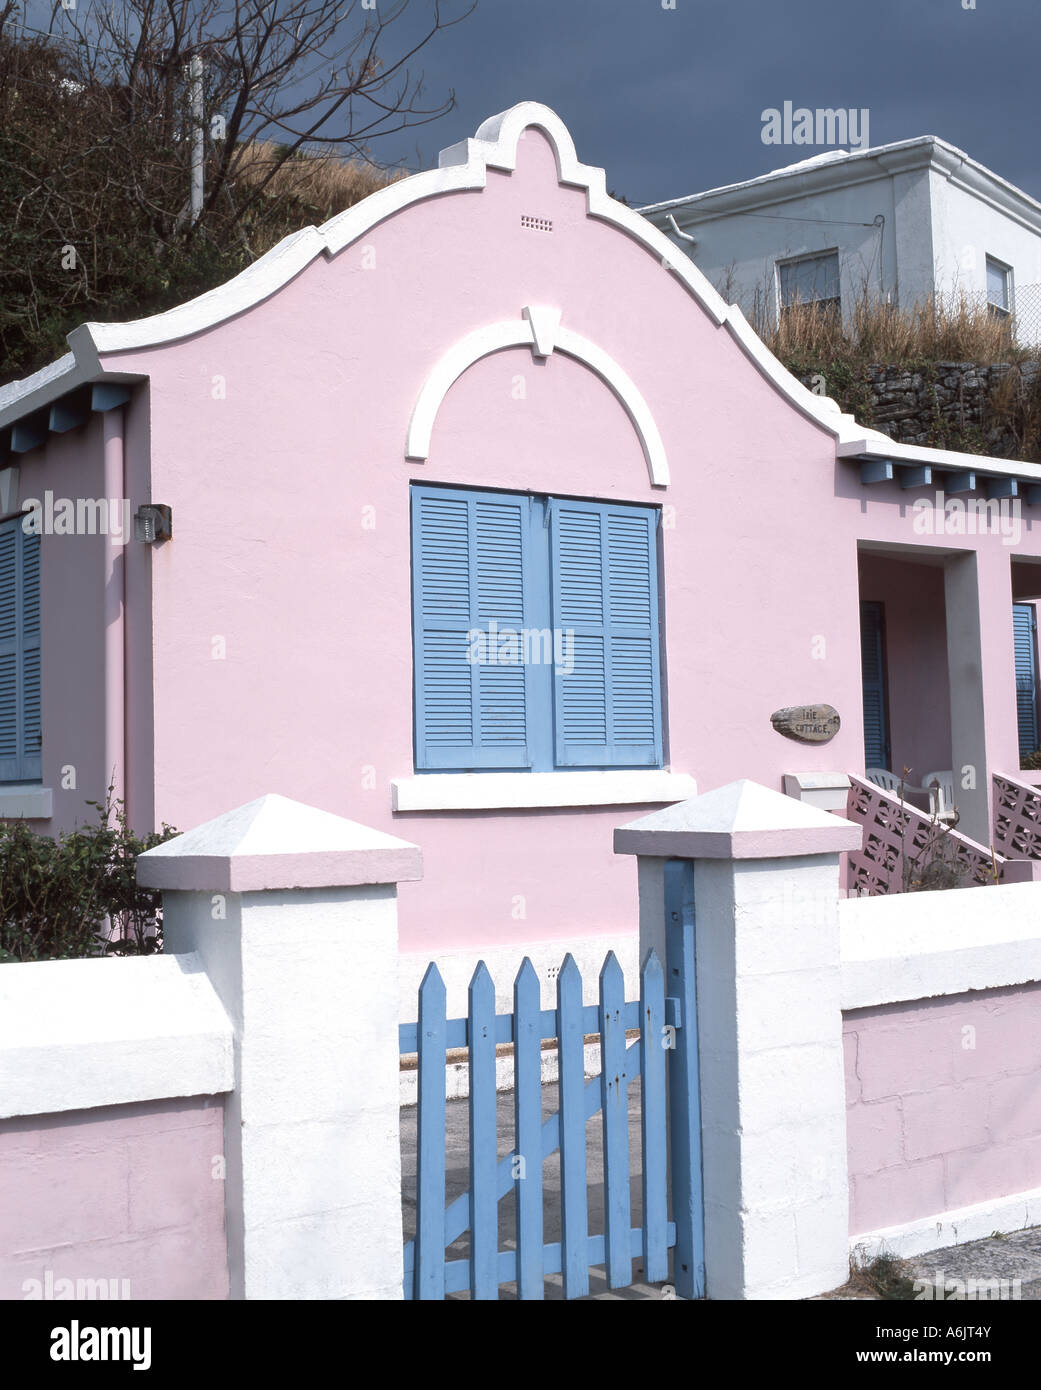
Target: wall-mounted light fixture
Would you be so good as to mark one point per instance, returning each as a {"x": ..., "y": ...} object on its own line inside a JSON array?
[{"x": 153, "y": 523}]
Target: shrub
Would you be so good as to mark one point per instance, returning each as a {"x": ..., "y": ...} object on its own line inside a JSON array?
[
  {"x": 77, "y": 895},
  {"x": 1032, "y": 762}
]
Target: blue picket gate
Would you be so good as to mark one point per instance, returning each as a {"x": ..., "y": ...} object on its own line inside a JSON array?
[{"x": 665, "y": 1060}]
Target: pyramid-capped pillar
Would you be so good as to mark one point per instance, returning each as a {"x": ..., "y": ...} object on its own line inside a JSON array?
[
  {"x": 294, "y": 913},
  {"x": 742, "y": 820},
  {"x": 274, "y": 842},
  {"x": 739, "y": 893}
]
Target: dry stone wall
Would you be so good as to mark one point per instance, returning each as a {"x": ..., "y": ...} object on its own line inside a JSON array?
[{"x": 994, "y": 409}]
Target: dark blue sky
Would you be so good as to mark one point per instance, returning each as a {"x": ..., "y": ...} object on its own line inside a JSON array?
[{"x": 670, "y": 101}]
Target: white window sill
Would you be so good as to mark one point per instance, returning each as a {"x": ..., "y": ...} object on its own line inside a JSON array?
[
  {"x": 501, "y": 791},
  {"x": 25, "y": 801}
]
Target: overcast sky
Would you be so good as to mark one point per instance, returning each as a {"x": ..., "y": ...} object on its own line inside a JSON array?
[{"x": 670, "y": 101}]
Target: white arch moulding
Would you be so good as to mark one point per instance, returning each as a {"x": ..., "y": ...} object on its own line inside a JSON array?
[{"x": 539, "y": 329}]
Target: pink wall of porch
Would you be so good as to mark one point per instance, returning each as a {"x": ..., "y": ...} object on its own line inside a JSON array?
[
  {"x": 278, "y": 439},
  {"x": 126, "y": 1192},
  {"x": 916, "y": 647},
  {"x": 943, "y": 1106}
]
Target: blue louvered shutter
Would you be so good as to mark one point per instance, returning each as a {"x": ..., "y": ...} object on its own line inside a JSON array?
[
  {"x": 20, "y": 717},
  {"x": 876, "y": 750},
  {"x": 1025, "y": 631},
  {"x": 469, "y": 568},
  {"x": 604, "y": 579}
]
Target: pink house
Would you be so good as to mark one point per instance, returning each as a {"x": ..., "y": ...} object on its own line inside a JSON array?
[{"x": 492, "y": 526}]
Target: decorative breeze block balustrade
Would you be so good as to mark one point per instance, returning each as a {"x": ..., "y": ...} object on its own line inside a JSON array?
[
  {"x": 894, "y": 830},
  {"x": 1017, "y": 817}
]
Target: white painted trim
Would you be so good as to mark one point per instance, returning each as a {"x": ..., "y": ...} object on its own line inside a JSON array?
[
  {"x": 25, "y": 801},
  {"x": 828, "y": 791},
  {"x": 872, "y": 445},
  {"x": 956, "y": 1227},
  {"x": 502, "y": 791},
  {"x": 537, "y": 330},
  {"x": 463, "y": 166},
  {"x": 76, "y": 1034},
  {"x": 921, "y": 945}
]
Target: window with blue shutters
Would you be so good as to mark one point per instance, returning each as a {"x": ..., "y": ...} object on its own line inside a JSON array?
[
  {"x": 535, "y": 632},
  {"x": 20, "y": 721},
  {"x": 1025, "y": 633},
  {"x": 605, "y": 595},
  {"x": 873, "y": 669}
]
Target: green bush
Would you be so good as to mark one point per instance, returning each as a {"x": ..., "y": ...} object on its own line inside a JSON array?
[
  {"x": 76, "y": 895},
  {"x": 1032, "y": 762}
]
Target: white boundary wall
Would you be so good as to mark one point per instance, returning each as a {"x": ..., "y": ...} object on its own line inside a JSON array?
[{"x": 76, "y": 1034}]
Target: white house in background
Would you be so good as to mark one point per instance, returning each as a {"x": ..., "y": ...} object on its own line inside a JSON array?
[{"x": 904, "y": 221}]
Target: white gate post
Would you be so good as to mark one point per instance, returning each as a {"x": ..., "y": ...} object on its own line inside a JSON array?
[
  {"x": 773, "y": 1106},
  {"x": 294, "y": 913}
]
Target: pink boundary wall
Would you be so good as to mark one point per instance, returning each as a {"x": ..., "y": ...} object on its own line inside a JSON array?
[
  {"x": 943, "y": 1105},
  {"x": 123, "y": 1192}
]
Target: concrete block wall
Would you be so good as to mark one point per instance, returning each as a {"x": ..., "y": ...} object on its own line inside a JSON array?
[
  {"x": 123, "y": 1201},
  {"x": 943, "y": 1104},
  {"x": 113, "y": 1079},
  {"x": 942, "y": 1036}
]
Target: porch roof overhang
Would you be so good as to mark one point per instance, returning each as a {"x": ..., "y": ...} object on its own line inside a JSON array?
[
  {"x": 914, "y": 465},
  {"x": 64, "y": 402}
]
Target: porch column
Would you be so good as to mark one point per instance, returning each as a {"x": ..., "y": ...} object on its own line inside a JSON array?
[
  {"x": 294, "y": 913},
  {"x": 981, "y": 666},
  {"x": 769, "y": 1029}
]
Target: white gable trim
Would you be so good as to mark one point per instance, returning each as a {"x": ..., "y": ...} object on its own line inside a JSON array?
[
  {"x": 539, "y": 329},
  {"x": 463, "y": 166}
]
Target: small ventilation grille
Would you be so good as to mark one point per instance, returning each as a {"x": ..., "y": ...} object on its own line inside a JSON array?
[{"x": 537, "y": 224}]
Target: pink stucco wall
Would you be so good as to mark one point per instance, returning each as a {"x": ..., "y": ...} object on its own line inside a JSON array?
[
  {"x": 943, "y": 1105},
  {"x": 126, "y": 1192},
  {"x": 280, "y": 641},
  {"x": 916, "y": 652}
]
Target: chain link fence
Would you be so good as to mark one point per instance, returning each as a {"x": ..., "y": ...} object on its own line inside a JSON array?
[{"x": 1027, "y": 305}]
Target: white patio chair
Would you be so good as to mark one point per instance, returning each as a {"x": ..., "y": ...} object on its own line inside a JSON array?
[
  {"x": 882, "y": 777},
  {"x": 940, "y": 786}
]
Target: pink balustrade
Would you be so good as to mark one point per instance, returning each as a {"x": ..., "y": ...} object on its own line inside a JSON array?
[
  {"x": 1017, "y": 818},
  {"x": 898, "y": 835}
]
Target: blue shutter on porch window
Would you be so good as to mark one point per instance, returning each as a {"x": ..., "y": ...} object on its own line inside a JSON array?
[
  {"x": 604, "y": 570},
  {"x": 876, "y": 751},
  {"x": 469, "y": 576},
  {"x": 1025, "y": 630},
  {"x": 20, "y": 717}
]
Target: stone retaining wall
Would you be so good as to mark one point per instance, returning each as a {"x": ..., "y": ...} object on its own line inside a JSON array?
[{"x": 956, "y": 405}]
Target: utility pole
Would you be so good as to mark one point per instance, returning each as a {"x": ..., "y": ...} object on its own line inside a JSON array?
[{"x": 198, "y": 135}]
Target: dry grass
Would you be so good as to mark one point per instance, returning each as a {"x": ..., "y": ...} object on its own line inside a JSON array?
[
  {"x": 323, "y": 183},
  {"x": 885, "y": 1278},
  {"x": 958, "y": 328}
]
